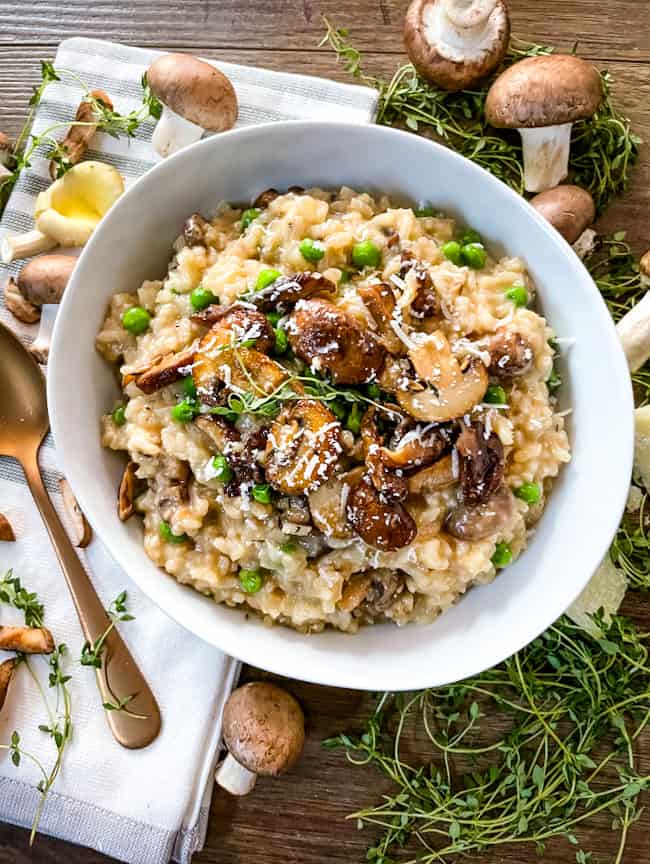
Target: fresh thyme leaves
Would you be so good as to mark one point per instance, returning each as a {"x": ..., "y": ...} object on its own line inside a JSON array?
[
  {"x": 59, "y": 727},
  {"x": 603, "y": 148},
  {"x": 91, "y": 655},
  {"x": 120, "y": 705},
  {"x": 631, "y": 547},
  {"x": 573, "y": 707}
]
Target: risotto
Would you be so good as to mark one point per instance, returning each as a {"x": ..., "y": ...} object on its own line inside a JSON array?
[{"x": 336, "y": 411}]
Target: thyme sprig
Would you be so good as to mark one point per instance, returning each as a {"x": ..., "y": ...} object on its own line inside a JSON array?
[
  {"x": 91, "y": 655},
  {"x": 603, "y": 148}
]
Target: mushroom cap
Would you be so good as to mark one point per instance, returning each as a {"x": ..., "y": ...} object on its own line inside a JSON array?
[
  {"x": 644, "y": 264},
  {"x": 264, "y": 728},
  {"x": 195, "y": 90},
  {"x": 544, "y": 91},
  {"x": 447, "y": 65},
  {"x": 569, "y": 209},
  {"x": 43, "y": 279}
]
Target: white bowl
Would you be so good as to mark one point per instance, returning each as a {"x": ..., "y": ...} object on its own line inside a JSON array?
[{"x": 490, "y": 623}]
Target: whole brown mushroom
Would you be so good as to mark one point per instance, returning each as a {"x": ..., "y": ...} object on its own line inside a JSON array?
[
  {"x": 569, "y": 209},
  {"x": 264, "y": 731},
  {"x": 456, "y": 43}
]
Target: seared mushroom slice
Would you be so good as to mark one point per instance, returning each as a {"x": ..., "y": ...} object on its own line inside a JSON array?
[
  {"x": 385, "y": 587},
  {"x": 264, "y": 731},
  {"x": 380, "y": 300},
  {"x": 481, "y": 463},
  {"x": 354, "y": 591},
  {"x": 303, "y": 447},
  {"x": 20, "y": 308},
  {"x": 126, "y": 493},
  {"x": 7, "y": 669},
  {"x": 426, "y": 302},
  {"x": 26, "y": 640},
  {"x": 287, "y": 290},
  {"x": 440, "y": 475},
  {"x": 510, "y": 354},
  {"x": 485, "y": 520},
  {"x": 165, "y": 370},
  {"x": 194, "y": 230},
  {"x": 265, "y": 198},
  {"x": 218, "y": 430},
  {"x": 379, "y": 524},
  {"x": 6, "y": 531},
  {"x": 82, "y": 533},
  {"x": 81, "y": 132},
  {"x": 387, "y": 478},
  {"x": 453, "y": 393},
  {"x": 245, "y": 464},
  {"x": 333, "y": 342},
  {"x": 327, "y": 504}
]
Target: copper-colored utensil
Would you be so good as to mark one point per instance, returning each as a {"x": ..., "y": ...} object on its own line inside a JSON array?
[{"x": 23, "y": 425}]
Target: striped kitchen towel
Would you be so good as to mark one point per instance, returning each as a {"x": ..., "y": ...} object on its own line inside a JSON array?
[{"x": 148, "y": 806}]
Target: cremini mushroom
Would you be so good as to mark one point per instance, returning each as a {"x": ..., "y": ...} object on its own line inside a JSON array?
[
  {"x": 426, "y": 302},
  {"x": 81, "y": 531},
  {"x": 7, "y": 669},
  {"x": 264, "y": 731},
  {"x": 7, "y": 534},
  {"x": 165, "y": 370},
  {"x": 542, "y": 97},
  {"x": 569, "y": 209},
  {"x": 287, "y": 290},
  {"x": 20, "y": 308},
  {"x": 44, "y": 279},
  {"x": 476, "y": 523},
  {"x": 194, "y": 230},
  {"x": 440, "y": 475},
  {"x": 26, "y": 640},
  {"x": 380, "y": 300},
  {"x": 634, "y": 327},
  {"x": 126, "y": 493},
  {"x": 450, "y": 392},
  {"x": 456, "y": 43},
  {"x": 383, "y": 525},
  {"x": 327, "y": 503},
  {"x": 196, "y": 97},
  {"x": 510, "y": 353},
  {"x": 481, "y": 460},
  {"x": 81, "y": 132}
]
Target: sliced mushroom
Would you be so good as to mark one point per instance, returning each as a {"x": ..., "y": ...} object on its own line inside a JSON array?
[
  {"x": 385, "y": 526},
  {"x": 287, "y": 290},
  {"x": 126, "y": 494},
  {"x": 333, "y": 342},
  {"x": 481, "y": 463},
  {"x": 440, "y": 475},
  {"x": 426, "y": 302},
  {"x": 218, "y": 430},
  {"x": 26, "y": 640},
  {"x": 165, "y": 370},
  {"x": 82, "y": 533},
  {"x": 44, "y": 279},
  {"x": 380, "y": 300},
  {"x": 485, "y": 520},
  {"x": 171, "y": 496},
  {"x": 510, "y": 354},
  {"x": 7, "y": 669},
  {"x": 81, "y": 132},
  {"x": 194, "y": 230},
  {"x": 295, "y": 508},
  {"x": 265, "y": 198},
  {"x": 245, "y": 464},
  {"x": 303, "y": 447},
  {"x": 453, "y": 392},
  {"x": 240, "y": 370},
  {"x": 385, "y": 587},
  {"x": 354, "y": 591},
  {"x": 6, "y": 531},
  {"x": 327, "y": 504},
  {"x": 20, "y": 308}
]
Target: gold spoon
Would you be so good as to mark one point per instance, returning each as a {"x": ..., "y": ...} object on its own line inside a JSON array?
[{"x": 23, "y": 425}]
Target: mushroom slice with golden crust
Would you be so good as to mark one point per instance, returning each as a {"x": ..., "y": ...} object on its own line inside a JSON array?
[
  {"x": 440, "y": 475},
  {"x": 126, "y": 493},
  {"x": 234, "y": 325},
  {"x": 510, "y": 354},
  {"x": 287, "y": 290},
  {"x": 333, "y": 342},
  {"x": 327, "y": 504},
  {"x": 379, "y": 524},
  {"x": 303, "y": 447},
  {"x": 238, "y": 369},
  {"x": 487, "y": 519},
  {"x": 82, "y": 533},
  {"x": 426, "y": 302},
  {"x": 481, "y": 463},
  {"x": 6, "y": 531},
  {"x": 26, "y": 640},
  {"x": 380, "y": 300},
  {"x": 7, "y": 670},
  {"x": 453, "y": 392},
  {"x": 20, "y": 308},
  {"x": 165, "y": 370},
  {"x": 387, "y": 478}
]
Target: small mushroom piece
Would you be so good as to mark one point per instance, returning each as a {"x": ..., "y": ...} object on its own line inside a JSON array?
[
  {"x": 165, "y": 370},
  {"x": 481, "y": 463},
  {"x": 452, "y": 391},
  {"x": 440, "y": 475},
  {"x": 194, "y": 230},
  {"x": 542, "y": 97},
  {"x": 380, "y": 300},
  {"x": 17, "y": 246},
  {"x": 6, "y": 531},
  {"x": 333, "y": 342},
  {"x": 510, "y": 354},
  {"x": 264, "y": 731},
  {"x": 634, "y": 332},
  {"x": 287, "y": 290},
  {"x": 303, "y": 447},
  {"x": 126, "y": 493},
  {"x": 476, "y": 523},
  {"x": 20, "y": 308},
  {"x": 44, "y": 279},
  {"x": 81, "y": 531},
  {"x": 196, "y": 97},
  {"x": 426, "y": 302},
  {"x": 379, "y": 524},
  {"x": 456, "y": 43},
  {"x": 7, "y": 669},
  {"x": 569, "y": 209},
  {"x": 26, "y": 640},
  {"x": 385, "y": 587},
  {"x": 78, "y": 138},
  {"x": 265, "y": 198},
  {"x": 327, "y": 504},
  {"x": 218, "y": 430}
]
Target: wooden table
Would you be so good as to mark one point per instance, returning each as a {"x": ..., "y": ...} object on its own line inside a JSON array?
[{"x": 301, "y": 818}]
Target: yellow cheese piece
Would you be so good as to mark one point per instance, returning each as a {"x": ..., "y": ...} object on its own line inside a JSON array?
[
  {"x": 605, "y": 589},
  {"x": 642, "y": 445}
]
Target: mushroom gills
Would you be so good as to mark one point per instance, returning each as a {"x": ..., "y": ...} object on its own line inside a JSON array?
[
  {"x": 174, "y": 132},
  {"x": 546, "y": 156}
]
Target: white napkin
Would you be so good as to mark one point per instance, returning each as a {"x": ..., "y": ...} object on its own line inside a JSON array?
[{"x": 146, "y": 806}]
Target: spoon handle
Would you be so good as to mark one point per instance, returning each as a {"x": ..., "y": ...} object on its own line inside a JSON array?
[{"x": 138, "y": 724}]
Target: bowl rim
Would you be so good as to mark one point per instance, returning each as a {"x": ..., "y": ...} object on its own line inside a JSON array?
[{"x": 404, "y": 679}]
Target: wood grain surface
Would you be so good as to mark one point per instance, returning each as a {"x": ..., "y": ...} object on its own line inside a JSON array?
[{"x": 301, "y": 818}]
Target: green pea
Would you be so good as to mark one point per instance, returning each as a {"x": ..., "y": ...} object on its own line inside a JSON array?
[
  {"x": 452, "y": 252},
  {"x": 310, "y": 251},
  {"x": 529, "y": 492},
  {"x": 374, "y": 392},
  {"x": 554, "y": 381},
  {"x": 366, "y": 254},
  {"x": 249, "y": 216},
  {"x": 273, "y": 318},
  {"x": 189, "y": 387},
  {"x": 474, "y": 255},
  {"x": 470, "y": 236},
  {"x": 518, "y": 295},
  {"x": 345, "y": 276},
  {"x": 281, "y": 341},
  {"x": 184, "y": 412},
  {"x": 201, "y": 297},
  {"x": 354, "y": 419},
  {"x": 262, "y": 493},
  {"x": 495, "y": 395},
  {"x": 502, "y": 555},
  {"x": 222, "y": 470},
  {"x": 119, "y": 415},
  {"x": 165, "y": 531},
  {"x": 427, "y": 210},
  {"x": 136, "y": 320},
  {"x": 266, "y": 277},
  {"x": 288, "y": 547},
  {"x": 250, "y": 580}
]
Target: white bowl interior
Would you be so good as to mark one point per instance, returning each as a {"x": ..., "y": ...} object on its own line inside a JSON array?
[{"x": 489, "y": 623}]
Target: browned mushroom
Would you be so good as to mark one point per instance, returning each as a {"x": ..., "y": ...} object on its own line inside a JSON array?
[
  {"x": 240, "y": 369},
  {"x": 82, "y": 533},
  {"x": 510, "y": 354},
  {"x": 265, "y": 198},
  {"x": 481, "y": 463},
  {"x": 164, "y": 370},
  {"x": 219, "y": 431},
  {"x": 44, "y": 279},
  {"x": 303, "y": 447},
  {"x": 6, "y": 531},
  {"x": 78, "y": 137},
  {"x": 26, "y": 640},
  {"x": 327, "y": 503},
  {"x": 385, "y": 587},
  {"x": 426, "y": 302},
  {"x": 354, "y": 592},
  {"x": 380, "y": 524},
  {"x": 434, "y": 477},
  {"x": 126, "y": 494},
  {"x": 333, "y": 342},
  {"x": 7, "y": 669},
  {"x": 194, "y": 230},
  {"x": 170, "y": 495},
  {"x": 20, "y": 308},
  {"x": 380, "y": 300},
  {"x": 485, "y": 520},
  {"x": 245, "y": 463},
  {"x": 287, "y": 290}
]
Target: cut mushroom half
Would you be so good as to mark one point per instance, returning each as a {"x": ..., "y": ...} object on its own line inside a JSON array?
[
  {"x": 634, "y": 332},
  {"x": 569, "y": 209},
  {"x": 456, "y": 43},
  {"x": 7, "y": 670},
  {"x": 26, "y": 640},
  {"x": 196, "y": 97},
  {"x": 126, "y": 493},
  {"x": 542, "y": 97},
  {"x": 20, "y": 308},
  {"x": 81, "y": 531},
  {"x": 264, "y": 731}
]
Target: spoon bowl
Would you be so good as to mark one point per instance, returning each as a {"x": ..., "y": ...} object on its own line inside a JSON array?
[{"x": 23, "y": 409}]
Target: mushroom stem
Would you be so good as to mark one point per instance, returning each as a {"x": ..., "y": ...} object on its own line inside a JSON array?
[
  {"x": 634, "y": 332},
  {"x": 173, "y": 132},
  {"x": 467, "y": 24},
  {"x": 25, "y": 245},
  {"x": 585, "y": 243},
  {"x": 546, "y": 156},
  {"x": 234, "y": 778}
]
